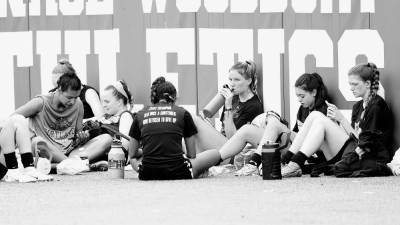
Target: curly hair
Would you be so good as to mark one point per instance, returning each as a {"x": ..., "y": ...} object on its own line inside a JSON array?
[
  {"x": 248, "y": 70},
  {"x": 162, "y": 90}
]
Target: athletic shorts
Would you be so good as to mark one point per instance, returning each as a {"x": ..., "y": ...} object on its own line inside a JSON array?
[
  {"x": 178, "y": 172},
  {"x": 349, "y": 146}
]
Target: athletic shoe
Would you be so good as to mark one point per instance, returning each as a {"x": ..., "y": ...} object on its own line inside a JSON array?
[
  {"x": 292, "y": 169},
  {"x": 99, "y": 166},
  {"x": 247, "y": 170},
  {"x": 219, "y": 170},
  {"x": 15, "y": 175},
  {"x": 33, "y": 172}
]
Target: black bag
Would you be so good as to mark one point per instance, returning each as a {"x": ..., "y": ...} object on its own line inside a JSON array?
[{"x": 371, "y": 163}]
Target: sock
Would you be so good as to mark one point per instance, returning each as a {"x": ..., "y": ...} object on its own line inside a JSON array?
[
  {"x": 11, "y": 160},
  {"x": 255, "y": 159},
  {"x": 27, "y": 159},
  {"x": 3, "y": 171},
  {"x": 286, "y": 157},
  {"x": 299, "y": 158}
]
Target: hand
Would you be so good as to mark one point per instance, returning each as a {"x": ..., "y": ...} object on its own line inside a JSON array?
[
  {"x": 226, "y": 92},
  {"x": 135, "y": 164},
  {"x": 333, "y": 113},
  {"x": 81, "y": 137}
]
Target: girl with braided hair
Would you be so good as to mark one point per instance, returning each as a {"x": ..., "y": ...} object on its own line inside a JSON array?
[{"x": 333, "y": 134}]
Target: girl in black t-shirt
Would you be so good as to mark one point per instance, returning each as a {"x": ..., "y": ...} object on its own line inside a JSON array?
[
  {"x": 311, "y": 93},
  {"x": 159, "y": 128},
  {"x": 323, "y": 132},
  {"x": 242, "y": 104}
]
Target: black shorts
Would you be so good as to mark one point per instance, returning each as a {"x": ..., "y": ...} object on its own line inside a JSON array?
[
  {"x": 177, "y": 172},
  {"x": 349, "y": 146}
]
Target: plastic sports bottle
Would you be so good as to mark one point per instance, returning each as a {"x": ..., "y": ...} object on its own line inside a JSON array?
[
  {"x": 214, "y": 105},
  {"x": 116, "y": 161}
]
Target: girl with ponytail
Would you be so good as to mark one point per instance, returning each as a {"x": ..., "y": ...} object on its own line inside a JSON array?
[
  {"x": 333, "y": 134},
  {"x": 242, "y": 104}
]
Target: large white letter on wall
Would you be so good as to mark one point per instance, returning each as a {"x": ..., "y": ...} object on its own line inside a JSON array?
[
  {"x": 97, "y": 7},
  {"x": 12, "y": 44},
  {"x": 48, "y": 46},
  {"x": 77, "y": 46},
  {"x": 304, "y": 6},
  {"x": 301, "y": 44},
  {"x": 271, "y": 6},
  {"x": 148, "y": 4},
  {"x": 271, "y": 44},
  {"x": 159, "y": 42},
  {"x": 354, "y": 43},
  {"x": 17, "y": 7},
  {"x": 69, "y": 8},
  {"x": 243, "y": 6},
  {"x": 216, "y": 6},
  {"x": 106, "y": 45},
  {"x": 188, "y": 5}
]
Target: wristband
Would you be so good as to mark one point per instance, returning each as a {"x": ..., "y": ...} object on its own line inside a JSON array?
[{"x": 228, "y": 109}]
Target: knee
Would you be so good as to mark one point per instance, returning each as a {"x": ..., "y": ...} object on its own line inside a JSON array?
[
  {"x": 19, "y": 121},
  {"x": 315, "y": 115},
  {"x": 245, "y": 130},
  {"x": 274, "y": 124},
  {"x": 105, "y": 140}
]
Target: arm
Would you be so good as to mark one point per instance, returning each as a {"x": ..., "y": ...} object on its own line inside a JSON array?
[
  {"x": 30, "y": 108},
  {"x": 94, "y": 101},
  {"x": 334, "y": 114},
  {"x": 125, "y": 123},
  {"x": 229, "y": 126},
  {"x": 133, "y": 150},
  {"x": 190, "y": 143}
]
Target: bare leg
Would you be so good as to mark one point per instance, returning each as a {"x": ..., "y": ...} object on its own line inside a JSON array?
[
  {"x": 301, "y": 135},
  {"x": 207, "y": 137},
  {"x": 95, "y": 148},
  {"x": 204, "y": 160},
  {"x": 326, "y": 135},
  {"x": 7, "y": 137},
  {"x": 22, "y": 133},
  {"x": 47, "y": 150},
  {"x": 271, "y": 132},
  {"x": 246, "y": 134}
]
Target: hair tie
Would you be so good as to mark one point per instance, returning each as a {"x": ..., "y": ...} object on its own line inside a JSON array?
[{"x": 118, "y": 86}]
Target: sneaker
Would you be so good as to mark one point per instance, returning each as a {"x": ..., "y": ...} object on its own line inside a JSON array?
[
  {"x": 292, "y": 169},
  {"x": 15, "y": 175},
  {"x": 247, "y": 170},
  {"x": 99, "y": 166},
  {"x": 33, "y": 172},
  {"x": 219, "y": 170}
]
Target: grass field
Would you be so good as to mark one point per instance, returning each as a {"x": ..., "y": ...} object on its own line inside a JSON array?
[{"x": 96, "y": 198}]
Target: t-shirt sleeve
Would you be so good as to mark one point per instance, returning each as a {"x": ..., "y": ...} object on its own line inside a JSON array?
[
  {"x": 134, "y": 132},
  {"x": 189, "y": 128},
  {"x": 296, "y": 125}
]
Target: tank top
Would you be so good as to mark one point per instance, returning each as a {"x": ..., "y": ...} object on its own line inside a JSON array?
[{"x": 57, "y": 127}]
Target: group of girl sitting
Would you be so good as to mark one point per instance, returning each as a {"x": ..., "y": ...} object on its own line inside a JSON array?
[
  {"x": 360, "y": 147},
  {"x": 54, "y": 129},
  {"x": 156, "y": 132}
]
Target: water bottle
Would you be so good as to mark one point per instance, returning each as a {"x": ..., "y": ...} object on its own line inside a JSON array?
[
  {"x": 214, "y": 105},
  {"x": 271, "y": 164},
  {"x": 116, "y": 161}
]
